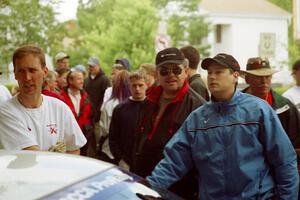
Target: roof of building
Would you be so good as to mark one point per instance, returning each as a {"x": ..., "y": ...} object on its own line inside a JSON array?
[{"x": 242, "y": 7}]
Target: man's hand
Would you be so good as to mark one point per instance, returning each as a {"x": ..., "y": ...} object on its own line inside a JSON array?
[
  {"x": 58, "y": 147},
  {"x": 76, "y": 152}
]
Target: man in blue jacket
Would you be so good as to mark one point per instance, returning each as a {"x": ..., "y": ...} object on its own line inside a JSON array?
[{"x": 236, "y": 142}]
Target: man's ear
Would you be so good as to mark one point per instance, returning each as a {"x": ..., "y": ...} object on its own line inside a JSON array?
[
  {"x": 236, "y": 74},
  {"x": 45, "y": 69}
]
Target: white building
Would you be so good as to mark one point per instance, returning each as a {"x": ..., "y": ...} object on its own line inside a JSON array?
[{"x": 249, "y": 28}]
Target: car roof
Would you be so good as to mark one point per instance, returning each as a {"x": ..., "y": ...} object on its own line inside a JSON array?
[{"x": 31, "y": 174}]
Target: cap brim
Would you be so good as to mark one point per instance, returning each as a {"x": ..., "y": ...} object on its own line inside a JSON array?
[
  {"x": 57, "y": 59},
  {"x": 171, "y": 62},
  {"x": 91, "y": 63},
  {"x": 208, "y": 61},
  {"x": 258, "y": 72}
]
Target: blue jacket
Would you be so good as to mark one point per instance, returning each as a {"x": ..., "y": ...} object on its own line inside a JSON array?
[{"x": 239, "y": 148}]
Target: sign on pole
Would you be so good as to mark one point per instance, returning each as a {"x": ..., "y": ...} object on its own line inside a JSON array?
[{"x": 267, "y": 45}]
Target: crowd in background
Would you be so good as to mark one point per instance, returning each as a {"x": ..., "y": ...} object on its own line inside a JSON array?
[{"x": 161, "y": 121}]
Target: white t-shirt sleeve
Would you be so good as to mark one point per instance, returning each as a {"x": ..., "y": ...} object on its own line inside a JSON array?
[
  {"x": 13, "y": 133},
  {"x": 4, "y": 94},
  {"x": 74, "y": 137}
]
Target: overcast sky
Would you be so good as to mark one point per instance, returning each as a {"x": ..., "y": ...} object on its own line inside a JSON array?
[{"x": 67, "y": 10}]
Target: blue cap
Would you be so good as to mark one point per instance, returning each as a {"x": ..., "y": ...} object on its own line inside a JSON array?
[
  {"x": 93, "y": 61},
  {"x": 124, "y": 62},
  {"x": 80, "y": 67}
]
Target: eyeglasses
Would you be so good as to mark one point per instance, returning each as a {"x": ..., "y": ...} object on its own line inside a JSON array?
[{"x": 164, "y": 71}]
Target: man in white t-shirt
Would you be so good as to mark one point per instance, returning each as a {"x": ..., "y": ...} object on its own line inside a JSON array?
[
  {"x": 30, "y": 120},
  {"x": 293, "y": 94}
]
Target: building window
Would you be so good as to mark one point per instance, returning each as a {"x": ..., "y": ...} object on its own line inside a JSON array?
[{"x": 218, "y": 33}]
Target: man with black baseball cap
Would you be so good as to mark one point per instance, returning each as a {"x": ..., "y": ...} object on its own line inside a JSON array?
[
  {"x": 163, "y": 112},
  {"x": 236, "y": 143}
]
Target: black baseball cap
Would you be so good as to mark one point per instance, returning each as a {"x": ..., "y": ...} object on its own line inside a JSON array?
[
  {"x": 223, "y": 59},
  {"x": 169, "y": 55}
]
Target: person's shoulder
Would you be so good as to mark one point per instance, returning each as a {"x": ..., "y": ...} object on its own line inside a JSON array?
[
  {"x": 291, "y": 92},
  {"x": 54, "y": 102},
  {"x": 192, "y": 94},
  {"x": 4, "y": 90},
  {"x": 248, "y": 99},
  {"x": 102, "y": 75},
  {"x": 254, "y": 105},
  {"x": 280, "y": 99},
  {"x": 10, "y": 106},
  {"x": 2, "y": 87},
  {"x": 122, "y": 104}
]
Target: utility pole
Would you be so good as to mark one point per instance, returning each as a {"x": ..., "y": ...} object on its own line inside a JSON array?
[{"x": 296, "y": 19}]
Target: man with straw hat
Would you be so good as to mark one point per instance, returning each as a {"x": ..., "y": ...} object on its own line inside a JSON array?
[{"x": 258, "y": 76}]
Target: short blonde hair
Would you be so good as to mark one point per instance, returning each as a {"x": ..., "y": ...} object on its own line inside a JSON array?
[
  {"x": 137, "y": 75},
  {"x": 148, "y": 68}
]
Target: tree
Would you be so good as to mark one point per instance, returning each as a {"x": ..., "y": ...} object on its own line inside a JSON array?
[
  {"x": 116, "y": 28},
  {"x": 25, "y": 22},
  {"x": 185, "y": 25},
  {"x": 294, "y": 45}
]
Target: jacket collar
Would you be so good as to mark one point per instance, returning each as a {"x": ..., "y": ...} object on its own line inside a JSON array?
[
  {"x": 157, "y": 91},
  {"x": 233, "y": 101},
  {"x": 100, "y": 73}
]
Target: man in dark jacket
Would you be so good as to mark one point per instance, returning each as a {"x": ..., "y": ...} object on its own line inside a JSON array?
[
  {"x": 95, "y": 85},
  {"x": 258, "y": 75},
  {"x": 195, "y": 80},
  {"x": 163, "y": 112}
]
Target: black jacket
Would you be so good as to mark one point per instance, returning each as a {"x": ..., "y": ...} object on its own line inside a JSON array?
[
  {"x": 288, "y": 116},
  {"x": 197, "y": 84},
  {"x": 151, "y": 139},
  {"x": 122, "y": 129},
  {"x": 95, "y": 89}
]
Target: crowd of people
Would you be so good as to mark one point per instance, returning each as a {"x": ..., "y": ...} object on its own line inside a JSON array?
[{"x": 161, "y": 121}]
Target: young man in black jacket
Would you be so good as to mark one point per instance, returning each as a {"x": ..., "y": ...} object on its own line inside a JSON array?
[{"x": 123, "y": 122}]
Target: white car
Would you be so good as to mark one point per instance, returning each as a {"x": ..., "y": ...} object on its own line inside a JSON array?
[{"x": 27, "y": 175}]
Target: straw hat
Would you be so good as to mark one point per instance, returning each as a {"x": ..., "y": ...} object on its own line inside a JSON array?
[{"x": 259, "y": 67}]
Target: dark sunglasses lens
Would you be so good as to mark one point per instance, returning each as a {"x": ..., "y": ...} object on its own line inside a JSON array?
[
  {"x": 177, "y": 70},
  {"x": 165, "y": 71}
]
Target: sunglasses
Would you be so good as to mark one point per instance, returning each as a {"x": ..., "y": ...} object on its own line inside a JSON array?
[{"x": 164, "y": 71}]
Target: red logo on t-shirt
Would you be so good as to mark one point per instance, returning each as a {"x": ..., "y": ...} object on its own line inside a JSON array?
[{"x": 52, "y": 129}]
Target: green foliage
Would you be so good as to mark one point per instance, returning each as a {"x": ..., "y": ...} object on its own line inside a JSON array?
[
  {"x": 110, "y": 29},
  {"x": 185, "y": 5},
  {"x": 187, "y": 26},
  {"x": 280, "y": 90},
  {"x": 25, "y": 22},
  {"x": 294, "y": 45},
  {"x": 285, "y": 4}
]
